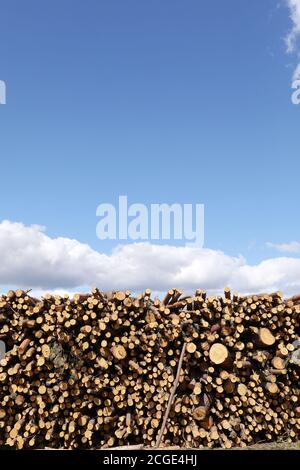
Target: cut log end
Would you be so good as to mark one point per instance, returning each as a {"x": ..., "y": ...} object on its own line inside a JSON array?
[
  {"x": 266, "y": 338},
  {"x": 119, "y": 352},
  {"x": 200, "y": 413},
  {"x": 218, "y": 353}
]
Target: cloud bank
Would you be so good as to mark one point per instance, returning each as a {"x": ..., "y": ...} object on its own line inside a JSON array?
[{"x": 30, "y": 258}]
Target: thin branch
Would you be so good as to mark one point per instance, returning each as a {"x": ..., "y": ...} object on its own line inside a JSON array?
[{"x": 171, "y": 398}]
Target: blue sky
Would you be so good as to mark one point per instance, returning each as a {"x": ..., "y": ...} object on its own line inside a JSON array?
[{"x": 164, "y": 101}]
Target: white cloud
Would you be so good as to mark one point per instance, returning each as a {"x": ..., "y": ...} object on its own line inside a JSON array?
[
  {"x": 291, "y": 38},
  {"x": 30, "y": 258},
  {"x": 292, "y": 247},
  {"x": 294, "y": 33},
  {"x": 269, "y": 275}
]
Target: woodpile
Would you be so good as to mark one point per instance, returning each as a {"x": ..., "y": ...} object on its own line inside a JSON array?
[{"x": 102, "y": 370}]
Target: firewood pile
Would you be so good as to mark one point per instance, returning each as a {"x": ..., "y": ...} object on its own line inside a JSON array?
[{"x": 97, "y": 370}]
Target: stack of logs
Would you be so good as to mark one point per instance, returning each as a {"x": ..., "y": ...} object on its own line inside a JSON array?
[{"x": 96, "y": 370}]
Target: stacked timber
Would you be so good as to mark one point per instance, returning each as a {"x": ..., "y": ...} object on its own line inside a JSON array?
[{"x": 97, "y": 370}]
